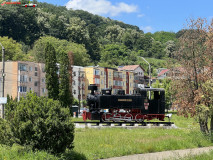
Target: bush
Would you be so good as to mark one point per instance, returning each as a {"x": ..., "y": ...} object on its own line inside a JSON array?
[
  {"x": 41, "y": 123},
  {"x": 5, "y": 133}
]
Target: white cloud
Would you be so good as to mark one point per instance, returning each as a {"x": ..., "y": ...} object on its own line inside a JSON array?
[
  {"x": 140, "y": 15},
  {"x": 146, "y": 29},
  {"x": 101, "y": 7}
]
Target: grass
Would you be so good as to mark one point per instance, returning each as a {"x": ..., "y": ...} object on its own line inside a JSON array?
[
  {"x": 203, "y": 156},
  {"x": 112, "y": 142}
]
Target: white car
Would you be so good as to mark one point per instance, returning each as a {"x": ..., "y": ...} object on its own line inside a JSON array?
[{"x": 29, "y": 5}]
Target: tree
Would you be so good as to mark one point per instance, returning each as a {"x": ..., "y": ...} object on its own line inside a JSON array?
[
  {"x": 81, "y": 57},
  {"x": 51, "y": 69},
  {"x": 170, "y": 49},
  {"x": 92, "y": 45},
  {"x": 40, "y": 123},
  {"x": 13, "y": 49},
  {"x": 65, "y": 97},
  {"x": 195, "y": 56}
]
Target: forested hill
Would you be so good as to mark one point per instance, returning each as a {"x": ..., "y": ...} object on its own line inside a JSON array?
[{"x": 92, "y": 38}]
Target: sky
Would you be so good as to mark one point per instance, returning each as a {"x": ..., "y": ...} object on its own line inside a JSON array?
[{"x": 148, "y": 15}]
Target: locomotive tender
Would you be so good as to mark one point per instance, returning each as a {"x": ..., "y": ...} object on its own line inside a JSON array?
[{"x": 122, "y": 107}]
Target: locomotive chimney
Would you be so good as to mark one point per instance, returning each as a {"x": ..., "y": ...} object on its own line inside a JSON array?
[{"x": 93, "y": 88}]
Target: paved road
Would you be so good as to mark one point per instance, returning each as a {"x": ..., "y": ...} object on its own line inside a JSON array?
[{"x": 165, "y": 154}]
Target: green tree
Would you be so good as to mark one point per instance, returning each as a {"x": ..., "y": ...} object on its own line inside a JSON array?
[
  {"x": 65, "y": 97},
  {"x": 81, "y": 57},
  {"x": 93, "y": 46},
  {"x": 13, "y": 49},
  {"x": 40, "y": 123},
  {"x": 170, "y": 49},
  {"x": 51, "y": 69}
]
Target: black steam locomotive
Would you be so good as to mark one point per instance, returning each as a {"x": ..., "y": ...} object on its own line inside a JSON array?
[{"x": 146, "y": 103}]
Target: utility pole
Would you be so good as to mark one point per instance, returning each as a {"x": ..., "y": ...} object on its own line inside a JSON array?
[{"x": 3, "y": 75}]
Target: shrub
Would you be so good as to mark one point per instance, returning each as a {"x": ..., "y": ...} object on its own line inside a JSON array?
[
  {"x": 41, "y": 123},
  {"x": 5, "y": 133}
]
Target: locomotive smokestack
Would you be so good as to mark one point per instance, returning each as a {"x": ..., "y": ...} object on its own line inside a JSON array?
[{"x": 93, "y": 88}]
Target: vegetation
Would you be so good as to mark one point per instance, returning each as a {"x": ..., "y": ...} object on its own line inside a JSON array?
[
  {"x": 111, "y": 142},
  {"x": 51, "y": 69},
  {"x": 90, "y": 37},
  {"x": 65, "y": 96},
  {"x": 194, "y": 82},
  {"x": 39, "y": 123},
  {"x": 204, "y": 156}
]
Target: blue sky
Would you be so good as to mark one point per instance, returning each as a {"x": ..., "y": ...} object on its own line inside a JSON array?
[{"x": 148, "y": 15}]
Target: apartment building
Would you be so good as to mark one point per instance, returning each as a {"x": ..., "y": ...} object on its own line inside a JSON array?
[
  {"x": 22, "y": 77},
  {"x": 105, "y": 77},
  {"x": 78, "y": 82}
]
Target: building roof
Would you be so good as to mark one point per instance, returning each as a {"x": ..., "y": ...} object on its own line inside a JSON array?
[
  {"x": 162, "y": 72},
  {"x": 129, "y": 67}
]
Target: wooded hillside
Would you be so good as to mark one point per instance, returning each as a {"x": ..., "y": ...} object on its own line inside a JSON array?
[{"x": 93, "y": 39}]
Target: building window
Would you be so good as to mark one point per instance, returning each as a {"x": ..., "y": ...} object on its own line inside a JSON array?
[
  {"x": 110, "y": 83},
  {"x": 22, "y": 89},
  {"x": 30, "y": 68},
  {"x": 30, "y": 89},
  {"x": 30, "y": 79},
  {"x": 101, "y": 72},
  {"x": 36, "y": 83},
  {"x": 36, "y": 68},
  {"x": 130, "y": 77},
  {"x": 43, "y": 90},
  {"x": 23, "y": 78},
  {"x": 102, "y": 81},
  {"x": 22, "y": 67},
  {"x": 74, "y": 73},
  {"x": 97, "y": 81},
  {"x": 43, "y": 69},
  {"x": 74, "y": 92},
  {"x": 130, "y": 84},
  {"x": 73, "y": 82},
  {"x": 97, "y": 72},
  {"x": 123, "y": 84},
  {"x": 109, "y": 73},
  {"x": 36, "y": 73},
  {"x": 43, "y": 80},
  {"x": 130, "y": 92}
]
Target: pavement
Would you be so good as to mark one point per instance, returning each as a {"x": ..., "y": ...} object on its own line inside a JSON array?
[{"x": 175, "y": 154}]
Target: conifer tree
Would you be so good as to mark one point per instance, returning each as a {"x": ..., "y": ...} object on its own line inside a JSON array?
[
  {"x": 65, "y": 96},
  {"x": 51, "y": 69}
]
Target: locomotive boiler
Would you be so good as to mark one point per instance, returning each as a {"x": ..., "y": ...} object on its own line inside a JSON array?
[{"x": 144, "y": 104}]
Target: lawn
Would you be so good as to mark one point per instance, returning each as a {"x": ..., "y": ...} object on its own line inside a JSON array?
[{"x": 112, "y": 142}]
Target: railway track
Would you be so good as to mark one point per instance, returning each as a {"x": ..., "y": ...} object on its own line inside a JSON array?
[{"x": 124, "y": 124}]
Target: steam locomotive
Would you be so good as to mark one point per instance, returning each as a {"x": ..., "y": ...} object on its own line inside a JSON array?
[{"x": 144, "y": 104}]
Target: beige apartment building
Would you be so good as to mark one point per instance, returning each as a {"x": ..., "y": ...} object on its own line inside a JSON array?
[{"x": 22, "y": 77}]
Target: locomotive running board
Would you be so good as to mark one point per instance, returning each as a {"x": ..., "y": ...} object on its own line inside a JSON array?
[{"x": 125, "y": 124}]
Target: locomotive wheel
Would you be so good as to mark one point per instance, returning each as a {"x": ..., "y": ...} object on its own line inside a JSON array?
[
  {"x": 128, "y": 117},
  {"x": 139, "y": 118},
  {"x": 104, "y": 117},
  {"x": 116, "y": 117}
]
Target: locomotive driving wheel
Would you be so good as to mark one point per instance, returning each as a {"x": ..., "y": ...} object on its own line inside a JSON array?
[
  {"x": 128, "y": 117},
  {"x": 139, "y": 118},
  {"x": 116, "y": 117},
  {"x": 106, "y": 117}
]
